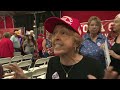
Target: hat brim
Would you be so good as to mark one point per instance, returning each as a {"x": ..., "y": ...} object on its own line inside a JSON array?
[{"x": 51, "y": 22}]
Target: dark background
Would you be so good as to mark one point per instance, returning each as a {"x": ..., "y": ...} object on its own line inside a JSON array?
[{"x": 27, "y": 20}]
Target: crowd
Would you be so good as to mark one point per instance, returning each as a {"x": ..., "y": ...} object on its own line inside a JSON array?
[
  {"x": 75, "y": 57},
  {"x": 26, "y": 44}
]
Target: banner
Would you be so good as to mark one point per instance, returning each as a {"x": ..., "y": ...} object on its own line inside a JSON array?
[
  {"x": 6, "y": 22},
  {"x": 2, "y": 30}
]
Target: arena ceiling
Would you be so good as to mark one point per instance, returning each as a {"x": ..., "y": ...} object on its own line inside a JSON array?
[{"x": 14, "y": 13}]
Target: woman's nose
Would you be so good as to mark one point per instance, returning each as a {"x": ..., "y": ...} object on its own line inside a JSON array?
[{"x": 57, "y": 36}]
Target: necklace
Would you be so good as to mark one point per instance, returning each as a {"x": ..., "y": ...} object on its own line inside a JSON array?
[{"x": 67, "y": 73}]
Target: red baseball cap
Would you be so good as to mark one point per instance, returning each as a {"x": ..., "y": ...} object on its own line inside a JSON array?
[
  {"x": 72, "y": 22},
  {"x": 41, "y": 35}
]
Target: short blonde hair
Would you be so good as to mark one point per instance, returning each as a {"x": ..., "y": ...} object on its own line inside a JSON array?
[{"x": 98, "y": 21}]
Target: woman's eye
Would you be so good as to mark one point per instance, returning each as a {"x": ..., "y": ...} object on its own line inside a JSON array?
[
  {"x": 63, "y": 32},
  {"x": 53, "y": 33}
]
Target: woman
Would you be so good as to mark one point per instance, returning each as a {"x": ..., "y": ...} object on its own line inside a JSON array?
[
  {"x": 115, "y": 49},
  {"x": 68, "y": 64},
  {"x": 113, "y": 72},
  {"x": 29, "y": 45},
  {"x": 47, "y": 45},
  {"x": 93, "y": 41}
]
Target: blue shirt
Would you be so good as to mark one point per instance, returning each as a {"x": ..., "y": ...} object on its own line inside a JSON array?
[{"x": 92, "y": 49}]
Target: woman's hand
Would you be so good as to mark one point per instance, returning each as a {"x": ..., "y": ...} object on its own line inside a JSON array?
[
  {"x": 113, "y": 54},
  {"x": 109, "y": 74},
  {"x": 19, "y": 74}
]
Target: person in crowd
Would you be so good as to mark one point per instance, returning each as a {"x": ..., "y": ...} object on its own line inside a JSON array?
[
  {"x": 115, "y": 49},
  {"x": 68, "y": 64},
  {"x": 22, "y": 39},
  {"x": 111, "y": 35},
  {"x": 14, "y": 38},
  {"x": 39, "y": 42},
  {"x": 114, "y": 70},
  {"x": 47, "y": 45},
  {"x": 29, "y": 45},
  {"x": 6, "y": 46},
  {"x": 32, "y": 34},
  {"x": 109, "y": 74},
  {"x": 94, "y": 40}
]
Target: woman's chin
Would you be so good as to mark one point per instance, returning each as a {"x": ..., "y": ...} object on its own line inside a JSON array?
[{"x": 60, "y": 52}]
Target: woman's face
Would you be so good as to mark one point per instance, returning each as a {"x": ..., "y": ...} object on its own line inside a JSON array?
[
  {"x": 62, "y": 40},
  {"x": 93, "y": 27},
  {"x": 116, "y": 25}
]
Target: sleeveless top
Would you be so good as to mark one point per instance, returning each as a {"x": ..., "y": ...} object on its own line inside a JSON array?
[{"x": 115, "y": 62}]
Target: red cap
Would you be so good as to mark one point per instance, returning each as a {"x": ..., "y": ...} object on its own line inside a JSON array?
[
  {"x": 41, "y": 35},
  {"x": 72, "y": 22}
]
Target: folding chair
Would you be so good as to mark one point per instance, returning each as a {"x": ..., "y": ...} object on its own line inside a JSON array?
[
  {"x": 5, "y": 60},
  {"x": 28, "y": 74},
  {"x": 27, "y": 57},
  {"x": 8, "y": 77},
  {"x": 39, "y": 72},
  {"x": 42, "y": 76},
  {"x": 38, "y": 64},
  {"x": 5, "y": 70},
  {"x": 17, "y": 53},
  {"x": 25, "y": 65},
  {"x": 47, "y": 59},
  {"x": 17, "y": 59}
]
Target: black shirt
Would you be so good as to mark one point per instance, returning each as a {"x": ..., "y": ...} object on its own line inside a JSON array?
[
  {"x": 78, "y": 71},
  {"x": 115, "y": 62}
]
